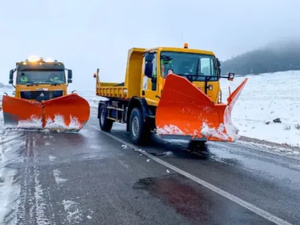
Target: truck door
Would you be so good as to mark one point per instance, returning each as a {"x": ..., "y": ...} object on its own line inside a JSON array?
[{"x": 149, "y": 81}]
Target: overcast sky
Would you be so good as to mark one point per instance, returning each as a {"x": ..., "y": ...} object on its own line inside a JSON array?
[{"x": 88, "y": 34}]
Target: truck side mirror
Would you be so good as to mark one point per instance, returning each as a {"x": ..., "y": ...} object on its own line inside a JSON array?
[
  {"x": 231, "y": 76},
  {"x": 69, "y": 76},
  {"x": 148, "y": 64},
  {"x": 11, "y": 76},
  {"x": 218, "y": 62},
  {"x": 219, "y": 66}
]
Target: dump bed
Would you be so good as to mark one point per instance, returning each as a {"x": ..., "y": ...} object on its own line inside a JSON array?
[
  {"x": 111, "y": 90},
  {"x": 132, "y": 85}
]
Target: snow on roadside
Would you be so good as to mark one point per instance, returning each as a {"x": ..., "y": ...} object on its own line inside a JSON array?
[
  {"x": 10, "y": 143},
  {"x": 265, "y": 98},
  {"x": 10, "y": 190}
]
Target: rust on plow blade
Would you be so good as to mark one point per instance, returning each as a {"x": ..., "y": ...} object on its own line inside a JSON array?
[
  {"x": 70, "y": 112},
  {"x": 186, "y": 111}
]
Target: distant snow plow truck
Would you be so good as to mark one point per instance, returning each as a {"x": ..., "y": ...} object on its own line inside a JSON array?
[
  {"x": 173, "y": 92},
  {"x": 41, "y": 100}
]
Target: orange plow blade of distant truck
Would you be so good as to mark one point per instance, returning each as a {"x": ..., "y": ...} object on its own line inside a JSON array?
[
  {"x": 70, "y": 112},
  {"x": 185, "y": 110}
]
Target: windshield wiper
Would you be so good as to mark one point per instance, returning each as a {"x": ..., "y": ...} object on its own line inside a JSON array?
[
  {"x": 30, "y": 84},
  {"x": 53, "y": 83}
]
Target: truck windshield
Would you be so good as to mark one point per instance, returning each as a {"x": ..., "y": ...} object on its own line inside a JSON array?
[
  {"x": 189, "y": 64},
  {"x": 41, "y": 77}
]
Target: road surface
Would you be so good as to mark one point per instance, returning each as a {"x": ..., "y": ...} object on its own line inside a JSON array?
[{"x": 98, "y": 178}]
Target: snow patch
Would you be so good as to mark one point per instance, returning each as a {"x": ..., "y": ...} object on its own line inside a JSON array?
[
  {"x": 59, "y": 123},
  {"x": 57, "y": 178},
  {"x": 219, "y": 133},
  {"x": 52, "y": 158},
  {"x": 33, "y": 122},
  {"x": 73, "y": 213},
  {"x": 169, "y": 129}
]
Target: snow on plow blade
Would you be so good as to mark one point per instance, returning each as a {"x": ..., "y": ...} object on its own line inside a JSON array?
[
  {"x": 186, "y": 111},
  {"x": 70, "y": 112},
  {"x": 22, "y": 113}
]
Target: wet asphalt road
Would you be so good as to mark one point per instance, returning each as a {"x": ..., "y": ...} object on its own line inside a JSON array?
[{"x": 91, "y": 178}]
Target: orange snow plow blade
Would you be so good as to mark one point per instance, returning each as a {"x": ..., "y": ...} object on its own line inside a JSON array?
[
  {"x": 69, "y": 112},
  {"x": 22, "y": 113},
  {"x": 186, "y": 111}
]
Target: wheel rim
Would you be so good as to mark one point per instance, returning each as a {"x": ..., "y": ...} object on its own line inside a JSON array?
[
  {"x": 102, "y": 117},
  {"x": 135, "y": 126}
]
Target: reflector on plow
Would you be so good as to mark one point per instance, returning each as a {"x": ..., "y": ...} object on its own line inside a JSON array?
[
  {"x": 70, "y": 112},
  {"x": 185, "y": 110}
]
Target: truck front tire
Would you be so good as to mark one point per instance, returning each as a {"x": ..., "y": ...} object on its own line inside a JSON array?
[
  {"x": 138, "y": 129},
  {"x": 105, "y": 124}
]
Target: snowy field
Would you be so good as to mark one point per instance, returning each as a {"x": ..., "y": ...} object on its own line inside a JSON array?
[{"x": 265, "y": 98}]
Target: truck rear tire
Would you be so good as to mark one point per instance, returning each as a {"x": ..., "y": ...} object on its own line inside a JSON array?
[
  {"x": 138, "y": 129},
  {"x": 105, "y": 124}
]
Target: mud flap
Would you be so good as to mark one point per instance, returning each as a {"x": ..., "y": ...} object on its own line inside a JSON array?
[
  {"x": 69, "y": 112},
  {"x": 186, "y": 111}
]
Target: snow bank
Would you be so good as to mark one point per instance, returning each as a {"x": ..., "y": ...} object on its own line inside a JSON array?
[
  {"x": 90, "y": 96},
  {"x": 265, "y": 98}
]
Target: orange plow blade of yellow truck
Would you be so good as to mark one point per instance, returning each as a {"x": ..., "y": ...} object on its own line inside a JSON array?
[
  {"x": 185, "y": 110},
  {"x": 70, "y": 112}
]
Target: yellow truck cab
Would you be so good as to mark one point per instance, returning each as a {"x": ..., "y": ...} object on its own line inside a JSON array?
[
  {"x": 198, "y": 66},
  {"x": 38, "y": 80},
  {"x": 137, "y": 100},
  {"x": 41, "y": 100}
]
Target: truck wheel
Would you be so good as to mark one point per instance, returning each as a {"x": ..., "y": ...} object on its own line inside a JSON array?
[
  {"x": 138, "y": 129},
  {"x": 105, "y": 124}
]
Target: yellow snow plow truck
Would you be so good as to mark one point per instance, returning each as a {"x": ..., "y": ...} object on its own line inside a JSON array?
[
  {"x": 41, "y": 100},
  {"x": 173, "y": 92}
]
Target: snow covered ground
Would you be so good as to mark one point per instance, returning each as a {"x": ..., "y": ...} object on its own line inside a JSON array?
[{"x": 265, "y": 98}]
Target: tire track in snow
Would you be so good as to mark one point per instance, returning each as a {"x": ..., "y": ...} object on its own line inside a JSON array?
[{"x": 33, "y": 208}]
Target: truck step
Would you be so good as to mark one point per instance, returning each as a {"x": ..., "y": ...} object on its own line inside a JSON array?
[
  {"x": 118, "y": 109},
  {"x": 114, "y": 119}
]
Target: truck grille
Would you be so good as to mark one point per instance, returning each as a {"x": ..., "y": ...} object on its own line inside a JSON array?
[{"x": 44, "y": 95}]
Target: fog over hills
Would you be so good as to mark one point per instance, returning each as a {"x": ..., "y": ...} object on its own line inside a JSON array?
[{"x": 279, "y": 56}]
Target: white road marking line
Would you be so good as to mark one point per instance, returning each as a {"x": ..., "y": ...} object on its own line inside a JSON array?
[
  {"x": 213, "y": 188},
  {"x": 123, "y": 164}
]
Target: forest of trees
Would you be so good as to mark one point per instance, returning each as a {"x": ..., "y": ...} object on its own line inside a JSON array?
[{"x": 278, "y": 57}]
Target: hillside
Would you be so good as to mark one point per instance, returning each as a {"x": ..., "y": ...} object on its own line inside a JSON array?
[
  {"x": 5, "y": 86},
  {"x": 276, "y": 57}
]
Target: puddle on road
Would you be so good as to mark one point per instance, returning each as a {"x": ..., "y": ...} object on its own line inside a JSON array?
[{"x": 194, "y": 202}]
